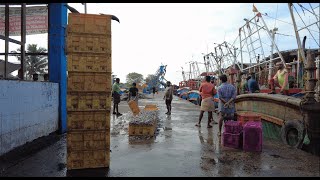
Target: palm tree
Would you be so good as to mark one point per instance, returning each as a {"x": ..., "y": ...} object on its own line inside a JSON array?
[{"x": 34, "y": 63}]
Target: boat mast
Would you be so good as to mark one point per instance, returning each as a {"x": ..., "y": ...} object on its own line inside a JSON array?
[
  {"x": 301, "y": 55},
  {"x": 271, "y": 55}
]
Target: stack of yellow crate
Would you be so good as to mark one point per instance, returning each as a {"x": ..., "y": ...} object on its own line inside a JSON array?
[{"x": 89, "y": 91}]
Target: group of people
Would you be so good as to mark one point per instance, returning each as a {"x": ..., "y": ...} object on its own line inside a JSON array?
[
  {"x": 227, "y": 94},
  {"x": 134, "y": 95},
  {"x": 280, "y": 79}
]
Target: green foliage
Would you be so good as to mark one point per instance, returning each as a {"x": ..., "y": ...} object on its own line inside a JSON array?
[
  {"x": 149, "y": 78},
  {"x": 34, "y": 64},
  {"x": 133, "y": 77}
]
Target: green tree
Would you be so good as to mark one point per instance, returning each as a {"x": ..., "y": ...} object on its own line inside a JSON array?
[
  {"x": 34, "y": 63},
  {"x": 134, "y": 77},
  {"x": 149, "y": 78}
]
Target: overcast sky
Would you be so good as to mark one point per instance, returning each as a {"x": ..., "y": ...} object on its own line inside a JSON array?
[{"x": 172, "y": 34}]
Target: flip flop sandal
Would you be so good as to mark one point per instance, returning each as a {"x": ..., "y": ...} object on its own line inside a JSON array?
[{"x": 198, "y": 125}]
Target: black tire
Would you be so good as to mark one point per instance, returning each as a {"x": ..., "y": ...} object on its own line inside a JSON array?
[{"x": 293, "y": 133}]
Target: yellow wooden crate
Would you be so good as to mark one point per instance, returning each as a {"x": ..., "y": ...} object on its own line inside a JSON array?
[
  {"x": 89, "y": 23},
  {"x": 89, "y": 63},
  {"x": 95, "y": 120},
  {"x": 88, "y": 140},
  {"x": 150, "y": 106},
  {"x": 88, "y": 159},
  {"x": 142, "y": 130},
  {"x": 134, "y": 107},
  {"x": 79, "y": 43},
  {"x": 88, "y": 101},
  {"x": 89, "y": 82},
  {"x": 150, "y": 109}
]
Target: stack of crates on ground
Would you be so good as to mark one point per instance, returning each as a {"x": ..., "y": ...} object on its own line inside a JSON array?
[
  {"x": 89, "y": 91},
  {"x": 232, "y": 135},
  {"x": 144, "y": 123},
  {"x": 252, "y": 131}
]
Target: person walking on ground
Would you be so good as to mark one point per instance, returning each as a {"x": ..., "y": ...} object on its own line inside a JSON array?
[
  {"x": 280, "y": 79},
  {"x": 227, "y": 94},
  {"x": 253, "y": 85},
  {"x": 153, "y": 90},
  {"x": 207, "y": 91},
  {"x": 133, "y": 93},
  {"x": 168, "y": 96},
  {"x": 116, "y": 97}
]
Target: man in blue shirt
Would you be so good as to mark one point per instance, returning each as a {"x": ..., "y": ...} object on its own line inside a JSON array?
[
  {"x": 253, "y": 85},
  {"x": 227, "y": 94}
]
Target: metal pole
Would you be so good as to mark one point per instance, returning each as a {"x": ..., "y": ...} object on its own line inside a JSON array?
[
  {"x": 23, "y": 36},
  {"x": 318, "y": 66},
  {"x": 303, "y": 56},
  {"x": 241, "y": 51},
  {"x": 298, "y": 69},
  {"x": 6, "y": 33},
  {"x": 85, "y": 8},
  {"x": 271, "y": 55},
  {"x": 251, "y": 43},
  {"x": 274, "y": 44}
]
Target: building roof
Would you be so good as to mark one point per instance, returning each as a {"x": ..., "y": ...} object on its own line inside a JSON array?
[{"x": 10, "y": 67}]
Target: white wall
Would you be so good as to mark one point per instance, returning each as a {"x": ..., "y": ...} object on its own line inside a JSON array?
[{"x": 28, "y": 110}]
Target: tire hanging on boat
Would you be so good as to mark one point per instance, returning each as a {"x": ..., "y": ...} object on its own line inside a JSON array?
[{"x": 293, "y": 133}]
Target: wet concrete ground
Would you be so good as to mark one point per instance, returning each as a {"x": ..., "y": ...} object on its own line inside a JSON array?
[{"x": 178, "y": 149}]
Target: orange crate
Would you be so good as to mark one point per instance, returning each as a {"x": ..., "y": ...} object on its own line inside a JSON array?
[
  {"x": 79, "y": 43},
  {"x": 142, "y": 130},
  {"x": 89, "y": 63},
  {"x": 88, "y": 159},
  {"x": 88, "y": 101},
  {"x": 151, "y": 106},
  {"x": 89, "y": 23},
  {"x": 89, "y": 82},
  {"x": 96, "y": 120},
  {"x": 134, "y": 107},
  {"x": 88, "y": 140},
  {"x": 245, "y": 117}
]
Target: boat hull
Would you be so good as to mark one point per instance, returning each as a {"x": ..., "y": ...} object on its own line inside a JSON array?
[{"x": 276, "y": 112}]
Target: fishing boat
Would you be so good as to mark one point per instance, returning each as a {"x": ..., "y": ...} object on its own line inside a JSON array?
[
  {"x": 194, "y": 97},
  {"x": 293, "y": 119}
]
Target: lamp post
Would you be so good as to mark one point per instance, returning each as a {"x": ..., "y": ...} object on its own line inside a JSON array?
[{"x": 85, "y": 7}]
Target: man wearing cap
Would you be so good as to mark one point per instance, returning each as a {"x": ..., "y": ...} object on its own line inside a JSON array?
[{"x": 280, "y": 79}]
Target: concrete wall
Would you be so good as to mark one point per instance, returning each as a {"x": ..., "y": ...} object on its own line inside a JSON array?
[{"x": 28, "y": 110}]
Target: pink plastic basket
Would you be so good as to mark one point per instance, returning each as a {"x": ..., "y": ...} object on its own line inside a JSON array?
[
  {"x": 232, "y": 140},
  {"x": 233, "y": 127},
  {"x": 252, "y": 136}
]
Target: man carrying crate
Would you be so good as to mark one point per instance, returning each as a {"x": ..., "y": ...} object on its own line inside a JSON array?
[{"x": 133, "y": 93}]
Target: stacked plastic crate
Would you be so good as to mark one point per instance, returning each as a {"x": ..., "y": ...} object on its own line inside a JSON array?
[
  {"x": 89, "y": 91},
  {"x": 232, "y": 135},
  {"x": 252, "y": 131}
]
